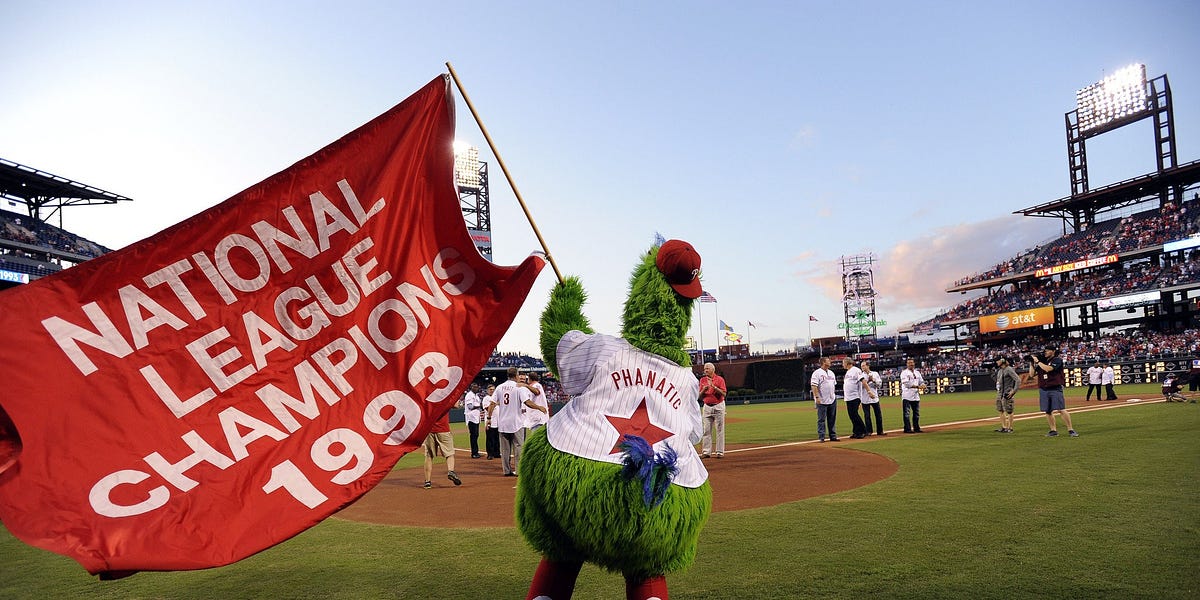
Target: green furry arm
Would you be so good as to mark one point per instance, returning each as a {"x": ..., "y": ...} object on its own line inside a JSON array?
[{"x": 563, "y": 313}]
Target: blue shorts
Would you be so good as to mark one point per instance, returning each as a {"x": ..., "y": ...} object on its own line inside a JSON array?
[{"x": 1051, "y": 400}]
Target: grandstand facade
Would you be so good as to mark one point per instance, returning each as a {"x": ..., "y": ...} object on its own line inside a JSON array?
[{"x": 30, "y": 246}]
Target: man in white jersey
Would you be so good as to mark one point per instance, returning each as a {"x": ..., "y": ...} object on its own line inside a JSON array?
[
  {"x": 852, "y": 392},
  {"x": 1109, "y": 377},
  {"x": 871, "y": 385},
  {"x": 539, "y": 415},
  {"x": 1095, "y": 377},
  {"x": 473, "y": 411},
  {"x": 824, "y": 389},
  {"x": 492, "y": 437},
  {"x": 912, "y": 384},
  {"x": 511, "y": 401}
]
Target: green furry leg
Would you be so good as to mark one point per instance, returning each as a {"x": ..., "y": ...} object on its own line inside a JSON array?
[{"x": 574, "y": 509}]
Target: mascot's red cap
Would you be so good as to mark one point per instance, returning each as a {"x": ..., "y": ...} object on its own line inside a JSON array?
[{"x": 679, "y": 263}]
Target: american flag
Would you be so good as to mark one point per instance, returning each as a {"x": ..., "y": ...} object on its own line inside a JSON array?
[{"x": 706, "y": 297}]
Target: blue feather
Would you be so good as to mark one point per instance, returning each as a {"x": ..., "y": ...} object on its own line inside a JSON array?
[{"x": 655, "y": 471}]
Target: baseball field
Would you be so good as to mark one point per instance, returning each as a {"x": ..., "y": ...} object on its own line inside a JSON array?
[{"x": 959, "y": 511}]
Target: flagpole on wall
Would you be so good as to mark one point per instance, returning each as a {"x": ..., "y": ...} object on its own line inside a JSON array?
[
  {"x": 700, "y": 326},
  {"x": 512, "y": 184}
]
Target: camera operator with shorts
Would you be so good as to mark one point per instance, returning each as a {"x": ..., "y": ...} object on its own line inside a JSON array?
[{"x": 1051, "y": 377}]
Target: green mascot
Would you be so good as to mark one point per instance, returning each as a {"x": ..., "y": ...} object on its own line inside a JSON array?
[{"x": 614, "y": 479}]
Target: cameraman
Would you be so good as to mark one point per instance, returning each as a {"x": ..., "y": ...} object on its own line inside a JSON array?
[
  {"x": 1007, "y": 384},
  {"x": 1051, "y": 378}
]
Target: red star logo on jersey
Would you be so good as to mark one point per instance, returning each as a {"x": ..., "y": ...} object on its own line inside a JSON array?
[{"x": 637, "y": 424}]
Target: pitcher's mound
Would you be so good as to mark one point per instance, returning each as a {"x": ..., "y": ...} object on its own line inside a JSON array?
[{"x": 745, "y": 478}]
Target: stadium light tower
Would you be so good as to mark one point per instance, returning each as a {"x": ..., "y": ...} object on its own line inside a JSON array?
[
  {"x": 471, "y": 178},
  {"x": 1122, "y": 98},
  {"x": 858, "y": 296}
]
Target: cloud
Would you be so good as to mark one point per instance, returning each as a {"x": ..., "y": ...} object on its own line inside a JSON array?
[
  {"x": 911, "y": 277},
  {"x": 805, "y": 137},
  {"x": 803, "y": 257},
  {"x": 914, "y": 274}
]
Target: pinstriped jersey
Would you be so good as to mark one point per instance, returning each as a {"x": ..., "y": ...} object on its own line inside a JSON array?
[{"x": 618, "y": 389}]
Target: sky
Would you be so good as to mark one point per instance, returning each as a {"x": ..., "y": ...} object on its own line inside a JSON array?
[{"x": 776, "y": 137}]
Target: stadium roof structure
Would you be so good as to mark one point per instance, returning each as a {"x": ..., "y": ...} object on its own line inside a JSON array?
[
  {"x": 38, "y": 189},
  {"x": 1118, "y": 195}
]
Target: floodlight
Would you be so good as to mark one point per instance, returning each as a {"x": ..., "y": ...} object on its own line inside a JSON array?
[
  {"x": 1116, "y": 97},
  {"x": 466, "y": 165}
]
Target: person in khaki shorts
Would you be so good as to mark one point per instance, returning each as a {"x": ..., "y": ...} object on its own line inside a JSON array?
[
  {"x": 440, "y": 441},
  {"x": 1007, "y": 384}
]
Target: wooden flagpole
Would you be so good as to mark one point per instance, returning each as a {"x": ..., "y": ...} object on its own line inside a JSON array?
[{"x": 511, "y": 183}]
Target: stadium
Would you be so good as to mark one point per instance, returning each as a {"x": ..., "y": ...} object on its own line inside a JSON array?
[{"x": 958, "y": 513}]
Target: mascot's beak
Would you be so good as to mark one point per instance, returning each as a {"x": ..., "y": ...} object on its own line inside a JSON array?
[{"x": 679, "y": 263}]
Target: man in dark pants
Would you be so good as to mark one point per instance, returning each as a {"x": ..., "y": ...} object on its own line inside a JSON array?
[
  {"x": 1095, "y": 375},
  {"x": 870, "y": 400},
  {"x": 1109, "y": 378},
  {"x": 852, "y": 392},
  {"x": 492, "y": 437},
  {"x": 473, "y": 410},
  {"x": 912, "y": 385}
]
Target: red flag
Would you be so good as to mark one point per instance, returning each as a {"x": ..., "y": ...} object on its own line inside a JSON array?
[
  {"x": 233, "y": 380},
  {"x": 811, "y": 318}
]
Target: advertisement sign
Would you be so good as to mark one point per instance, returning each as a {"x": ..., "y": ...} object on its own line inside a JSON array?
[
  {"x": 1033, "y": 317},
  {"x": 13, "y": 277},
  {"x": 1079, "y": 264},
  {"x": 483, "y": 242},
  {"x": 861, "y": 324},
  {"x": 1185, "y": 243},
  {"x": 1131, "y": 300}
]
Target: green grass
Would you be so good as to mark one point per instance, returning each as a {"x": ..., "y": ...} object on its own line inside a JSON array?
[{"x": 1114, "y": 513}]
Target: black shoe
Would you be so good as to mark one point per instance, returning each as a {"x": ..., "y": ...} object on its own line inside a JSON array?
[
  {"x": 881, "y": 433},
  {"x": 510, "y": 474},
  {"x": 916, "y": 431},
  {"x": 428, "y": 485},
  {"x": 907, "y": 431},
  {"x": 833, "y": 438},
  {"x": 1001, "y": 430},
  {"x": 452, "y": 476}
]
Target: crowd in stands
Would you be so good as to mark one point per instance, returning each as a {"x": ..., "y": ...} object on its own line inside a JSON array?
[
  {"x": 1119, "y": 279},
  {"x": 29, "y": 231},
  {"x": 1115, "y": 236},
  {"x": 1132, "y": 344},
  {"x": 514, "y": 359},
  {"x": 17, "y": 261}
]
